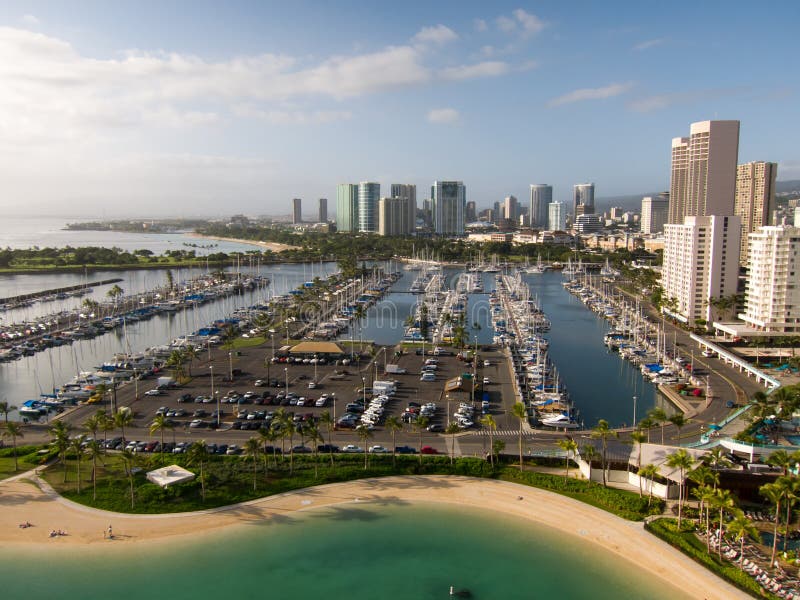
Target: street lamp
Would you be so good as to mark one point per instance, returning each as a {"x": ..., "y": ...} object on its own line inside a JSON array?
[
  {"x": 364, "y": 389},
  {"x": 634, "y": 412},
  {"x": 286, "y": 373},
  {"x": 135, "y": 384},
  {"x": 211, "y": 368},
  {"x": 333, "y": 395},
  {"x": 230, "y": 364}
]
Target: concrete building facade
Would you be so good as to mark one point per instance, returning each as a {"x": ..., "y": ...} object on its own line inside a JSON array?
[
  {"x": 556, "y": 216},
  {"x": 541, "y": 197},
  {"x": 297, "y": 211},
  {"x": 510, "y": 208},
  {"x": 347, "y": 207},
  {"x": 394, "y": 216},
  {"x": 701, "y": 261},
  {"x": 369, "y": 193},
  {"x": 755, "y": 198},
  {"x": 588, "y": 224},
  {"x": 655, "y": 211},
  {"x": 448, "y": 199},
  {"x": 323, "y": 210},
  {"x": 409, "y": 191},
  {"x": 582, "y": 199},
  {"x": 772, "y": 295}
]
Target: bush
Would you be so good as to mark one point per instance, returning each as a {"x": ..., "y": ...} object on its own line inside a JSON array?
[{"x": 687, "y": 542}]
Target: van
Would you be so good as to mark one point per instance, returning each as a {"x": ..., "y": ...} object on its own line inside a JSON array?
[{"x": 428, "y": 376}]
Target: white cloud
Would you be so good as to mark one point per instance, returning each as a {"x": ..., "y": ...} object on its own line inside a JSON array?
[
  {"x": 439, "y": 34},
  {"x": 30, "y": 20},
  {"x": 608, "y": 91},
  {"x": 531, "y": 24},
  {"x": 528, "y": 65},
  {"x": 649, "y": 44},
  {"x": 489, "y": 68},
  {"x": 480, "y": 25},
  {"x": 292, "y": 117},
  {"x": 661, "y": 101},
  {"x": 506, "y": 24},
  {"x": 443, "y": 115}
]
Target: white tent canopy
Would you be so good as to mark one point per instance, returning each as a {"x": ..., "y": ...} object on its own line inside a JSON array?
[{"x": 166, "y": 476}]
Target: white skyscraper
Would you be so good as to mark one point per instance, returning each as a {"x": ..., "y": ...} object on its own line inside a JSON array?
[
  {"x": 448, "y": 205},
  {"x": 557, "y": 216},
  {"x": 541, "y": 197},
  {"x": 394, "y": 216},
  {"x": 701, "y": 262},
  {"x": 755, "y": 198},
  {"x": 654, "y": 214},
  {"x": 407, "y": 190},
  {"x": 772, "y": 295},
  {"x": 368, "y": 195}
]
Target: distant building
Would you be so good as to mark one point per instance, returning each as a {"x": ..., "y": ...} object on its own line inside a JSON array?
[
  {"x": 772, "y": 296},
  {"x": 582, "y": 199},
  {"x": 615, "y": 212},
  {"x": 703, "y": 176},
  {"x": 448, "y": 207},
  {"x": 323, "y": 210},
  {"x": 556, "y": 216},
  {"x": 297, "y": 211},
  {"x": 701, "y": 261},
  {"x": 588, "y": 224},
  {"x": 369, "y": 193},
  {"x": 347, "y": 207},
  {"x": 541, "y": 197},
  {"x": 471, "y": 215},
  {"x": 510, "y": 208},
  {"x": 408, "y": 191},
  {"x": 394, "y": 216},
  {"x": 654, "y": 213},
  {"x": 755, "y": 198}
]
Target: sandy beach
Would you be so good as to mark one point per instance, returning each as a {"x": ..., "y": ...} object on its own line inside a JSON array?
[
  {"x": 23, "y": 500},
  {"x": 274, "y": 246}
]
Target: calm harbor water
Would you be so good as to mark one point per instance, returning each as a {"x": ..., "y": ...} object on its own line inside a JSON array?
[{"x": 391, "y": 551}]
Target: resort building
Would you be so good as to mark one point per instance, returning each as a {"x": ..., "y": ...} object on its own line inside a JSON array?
[
  {"x": 582, "y": 199},
  {"x": 541, "y": 197},
  {"x": 556, "y": 216},
  {"x": 347, "y": 207},
  {"x": 448, "y": 202},
  {"x": 323, "y": 210},
  {"x": 297, "y": 211},
  {"x": 588, "y": 224},
  {"x": 510, "y": 208},
  {"x": 755, "y": 198},
  {"x": 701, "y": 262},
  {"x": 772, "y": 295},
  {"x": 408, "y": 191},
  {"x": 654, "y": 213},
  {"x": 394, "y": 216},
  {"x": 368, "y": 195},
  {"x": 703, "y": 174}
]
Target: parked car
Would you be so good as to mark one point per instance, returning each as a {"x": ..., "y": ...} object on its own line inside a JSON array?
[
  {"x": 435, "y": 428},
  {"x": 155, "y": 392},
  {"x": 197, "y": 423},
  {"x": 352, "y": 448},
  {"x": 328, "y": 448},
  {"x": 428, "y": 450},
  {"x": 405, "y": 450},
  {"x": 378, "y": 450}
]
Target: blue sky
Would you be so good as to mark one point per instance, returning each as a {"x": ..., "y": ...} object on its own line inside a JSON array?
[{"x": 188, "y": 108}]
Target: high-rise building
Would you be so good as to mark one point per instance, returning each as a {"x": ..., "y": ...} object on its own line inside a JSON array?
[
  {"x": 448, "y": 206},
  {"x": 407, "y": 190},
  {"x": 323, "y": 210},
  {"x": 541, "y": 197},
  {"x": 588, "y": 223},
  {"x": 703, "y": 176},
  {"x": 615, "y": 212},
  {"x": 582, "y": 196},
  {"x": 368, "y": 195},
  {"x": 701, "y": 261},
  {"x": 472, "y": 212},
  {"x": 347, "y": 207},
  {"x": 772, "y": 296},
  {"x": 654, "y": 213},
  {"x": 497, "y": 212},
  {"x": 297, "y": 211},
  {"x": 556, "y": 216},
  {"x": 394, "y": 216},
  {"x": 755, "y": 198},
  {"x": 510, "y": 210}
]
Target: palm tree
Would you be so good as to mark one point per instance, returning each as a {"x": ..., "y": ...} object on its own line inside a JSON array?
[
  {"x": 679, "y": 420},
  {"x": 252, "y": 449},
  {"x": 393, "y": 425},
  {"x": 724, "y": 501},
  {"x": 568, "y": 445},
  {"x": 364, "y": 434},
  {"x": 95, "y": 451},
  {"x": 649, "y": 472},
  {"x": 490, "y": 424},
  {"x": 741, "y": 527},
  {"x": 76, "y": 446},
  {"x": 647, "y": 424},
  {"x": 419, "y": 425},
  {"x": 60, "y": 433},
  {"x": 175, "y": 362},
  {"x": 123, "y": 418},
  {"x": 326, "y": 420},
  {"x": 716, "y": 459},
  {"x": 780, "y": 458},
  {"x": 682, "y": 461},
  {"x": 159, "y": 424},
  {"x": 288, "y": 429},
  {"x": 14, "y": 431},
  {"x": 452, "y": 429},
  {"x": 703, "y": 476},
  {"x": 129, "y": 460},
  {"x": 638, "y": 437},
  {"x": 92, "y": 425},
  {"x": 519, "y": 411},
  {"x": 603, "y": 431},
  {"x": 658, "y": 415},
  {"x": 191, "y": 353},
  {"x": 706, "y": 495},
  {"x": 266, "y": 435},
  {"x": 198, "y": 454},
  {"x": 6, "y": 408}
]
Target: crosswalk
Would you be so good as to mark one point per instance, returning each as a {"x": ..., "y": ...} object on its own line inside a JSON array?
[{"x": 500, "y": 432}]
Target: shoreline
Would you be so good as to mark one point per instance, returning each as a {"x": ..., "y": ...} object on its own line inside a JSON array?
[
  {"x": 273, "y": 246},
  {"x": 23, "y": 500}
]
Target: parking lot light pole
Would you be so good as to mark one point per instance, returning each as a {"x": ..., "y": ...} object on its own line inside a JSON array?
[
  {"x": 286, "y": 373},
  {"x": 230, "y": 364},
  {"x": 211, "y": 368},
  {"x": 333, "y": 395},
  {"x": 634, "y": 412},
  {"x": 364, "y": 389}
]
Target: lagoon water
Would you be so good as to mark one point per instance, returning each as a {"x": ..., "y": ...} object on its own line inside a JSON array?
[{"x": 353, "y": 552}]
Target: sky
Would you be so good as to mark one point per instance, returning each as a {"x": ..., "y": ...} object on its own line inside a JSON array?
[{"x": 170, "y": 108}]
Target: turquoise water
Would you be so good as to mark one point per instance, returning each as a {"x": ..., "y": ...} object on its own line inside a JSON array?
[{"x": 387, "y": 551}]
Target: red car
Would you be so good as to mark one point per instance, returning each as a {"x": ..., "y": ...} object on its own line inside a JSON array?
[{"x": 429, "y": 450}]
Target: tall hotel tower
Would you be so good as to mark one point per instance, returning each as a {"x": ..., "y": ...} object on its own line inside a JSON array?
[
  {"x": 541, "y": 197},
  {"x": 369, "y": 193}
]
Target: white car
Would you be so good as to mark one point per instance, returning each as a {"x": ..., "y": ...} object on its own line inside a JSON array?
[
  {"x": 155, "y": 393},
  {"x": 352, "y": 448},
  {"x": 486, "y": 363},
  {"x": 260, "y": 383},
  {"x": 312, "y": 385},
  {"x": 378, "y": 450},
  {"x": 486, "y": 381},
  {"x": 321, "y": 402},
  {"x": 708, "y": 353}
]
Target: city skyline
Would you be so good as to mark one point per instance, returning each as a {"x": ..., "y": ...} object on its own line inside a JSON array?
[{"x": 117, "y": 111}]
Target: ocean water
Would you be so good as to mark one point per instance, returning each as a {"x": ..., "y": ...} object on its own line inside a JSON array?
[{"x": 389, "y": 551}]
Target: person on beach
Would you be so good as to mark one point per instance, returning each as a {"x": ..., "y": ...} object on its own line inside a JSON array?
[{"x": 110, "y": 533}]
